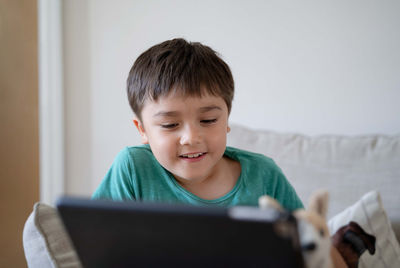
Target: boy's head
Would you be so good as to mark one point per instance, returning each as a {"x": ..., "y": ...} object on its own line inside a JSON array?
[
  {"x": 178, "y": 66},
  {"x": 181, "y": 94}
]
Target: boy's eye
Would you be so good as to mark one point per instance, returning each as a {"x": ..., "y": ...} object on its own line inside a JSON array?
[
  {"x": 208, "y": 121},
  {"x": 169, "y": 126}
]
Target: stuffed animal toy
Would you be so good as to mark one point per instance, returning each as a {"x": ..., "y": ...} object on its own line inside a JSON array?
[
  {"x": 314, "y": 235},
  {"x": 352, "y": 241}
]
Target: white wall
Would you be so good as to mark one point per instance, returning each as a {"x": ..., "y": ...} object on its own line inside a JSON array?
[{"x": 300, "y": 66}]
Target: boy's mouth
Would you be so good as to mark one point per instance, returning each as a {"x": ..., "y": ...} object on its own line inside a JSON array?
[{"x": 192, "y": 155}]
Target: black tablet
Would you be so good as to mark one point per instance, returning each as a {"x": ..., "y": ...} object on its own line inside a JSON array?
[{"x": 140, "y": 234}]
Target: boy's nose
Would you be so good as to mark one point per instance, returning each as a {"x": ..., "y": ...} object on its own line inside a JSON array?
[{"x": 190, "y": 136}]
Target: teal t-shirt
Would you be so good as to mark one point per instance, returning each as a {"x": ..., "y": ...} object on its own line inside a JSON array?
[{"x": 137, "y": 175}]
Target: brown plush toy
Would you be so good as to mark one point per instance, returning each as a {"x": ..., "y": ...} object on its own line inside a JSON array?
[{"x": 352, "y": 241}]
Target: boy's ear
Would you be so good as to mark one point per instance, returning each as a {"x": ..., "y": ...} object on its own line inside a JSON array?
[
  {"x": 140, "y": 128},
  {"x": 228, "y": 129}
]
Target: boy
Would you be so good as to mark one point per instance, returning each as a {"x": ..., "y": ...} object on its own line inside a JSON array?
[{"x": 181, "y": 94}]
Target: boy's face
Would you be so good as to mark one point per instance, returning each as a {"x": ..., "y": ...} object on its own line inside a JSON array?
[{"x": 187, "y": 135}]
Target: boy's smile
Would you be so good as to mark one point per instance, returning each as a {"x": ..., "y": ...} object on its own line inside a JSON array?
[
  {"x": 193, "y": 156},
  {"x": 187, "y": 135}
]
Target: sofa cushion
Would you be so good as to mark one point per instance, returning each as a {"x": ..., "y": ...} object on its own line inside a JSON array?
[
  {"x": 46, "y": 243},
  {"x": 347, "y": 166},
  {"x": 370, "y": 215}
]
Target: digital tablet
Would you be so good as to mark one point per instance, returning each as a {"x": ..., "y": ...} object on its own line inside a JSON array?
[{"x": 141, "y": 234}]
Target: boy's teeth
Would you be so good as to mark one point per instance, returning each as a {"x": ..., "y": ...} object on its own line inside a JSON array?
[{"x": 192, "y": 155}]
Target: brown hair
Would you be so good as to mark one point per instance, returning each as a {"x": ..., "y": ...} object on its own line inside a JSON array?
[{"x": 178, "y": 66}]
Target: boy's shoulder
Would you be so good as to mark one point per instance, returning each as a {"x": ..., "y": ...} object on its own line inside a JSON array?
[
  {"x": 241, "y": 153},
  {"x": 250, "y": 158},
  {"x": 135, "y": 152},
  {"x": 144, "y": 148}
]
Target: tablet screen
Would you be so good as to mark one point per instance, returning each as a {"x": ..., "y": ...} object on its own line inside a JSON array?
[{"x": 139, "y": 234}]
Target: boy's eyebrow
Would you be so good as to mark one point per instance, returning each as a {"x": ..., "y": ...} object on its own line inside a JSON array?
[
  {"x": 166, "y": 114},
  {"x": 209, "y": 108}
]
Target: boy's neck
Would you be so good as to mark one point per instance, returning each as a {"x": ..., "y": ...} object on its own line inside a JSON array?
[{"x": 219, "y": 184}]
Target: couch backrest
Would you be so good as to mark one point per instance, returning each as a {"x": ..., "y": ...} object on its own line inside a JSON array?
[{"x": 347, "y": 167}]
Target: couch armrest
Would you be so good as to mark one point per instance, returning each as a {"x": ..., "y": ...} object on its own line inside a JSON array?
[{"x": 46, "y": 242}]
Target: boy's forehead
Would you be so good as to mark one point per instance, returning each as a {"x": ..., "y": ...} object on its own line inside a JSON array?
[{"x": 175, "y": 102}]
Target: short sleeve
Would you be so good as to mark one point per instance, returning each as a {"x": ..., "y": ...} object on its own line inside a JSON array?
[
  {"x": 286, "y": 194},
  {"x": 118, "y": 182}
]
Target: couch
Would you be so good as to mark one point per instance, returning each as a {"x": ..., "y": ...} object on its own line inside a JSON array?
[{"x": 361, "y": 174}]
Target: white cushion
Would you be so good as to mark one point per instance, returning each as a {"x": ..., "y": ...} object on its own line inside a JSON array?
[
  {"x": 369, "y": 213},
  {"x": 46, "y": 243}
]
